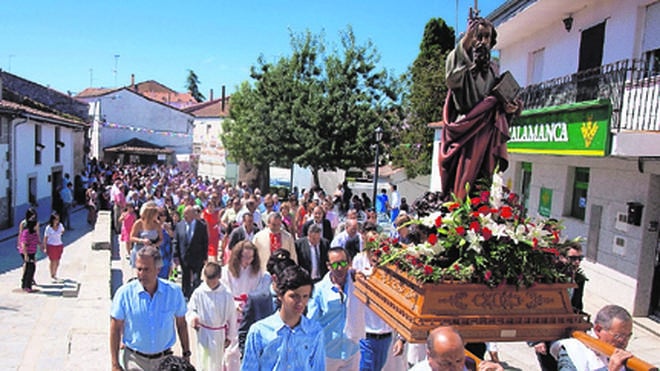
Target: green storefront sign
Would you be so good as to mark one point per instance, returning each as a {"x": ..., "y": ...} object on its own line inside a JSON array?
[{"x": 577, "y": 129}]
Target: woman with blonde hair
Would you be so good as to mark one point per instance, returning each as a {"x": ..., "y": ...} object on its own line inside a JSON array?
[{"x": 147, "y": 230}]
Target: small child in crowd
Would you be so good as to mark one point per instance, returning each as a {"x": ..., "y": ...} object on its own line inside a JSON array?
[{"x": 212, "y": 313}]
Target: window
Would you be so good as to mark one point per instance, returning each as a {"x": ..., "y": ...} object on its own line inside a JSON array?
[
  {"x": 32, "y": 190},
  {"x": 38, "y": 147},
  {"x": 58, "y": 144},
  {"x": 536, "y": 66},
  {"x": 580, "y": 188},
  {"x": 526, "y": 180}
]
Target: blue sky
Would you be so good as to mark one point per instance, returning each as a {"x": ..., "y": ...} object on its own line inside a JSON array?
[{"x": 67, "y": 44}]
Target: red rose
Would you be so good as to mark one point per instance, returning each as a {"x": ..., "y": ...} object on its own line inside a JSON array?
[
  {"x": 428, "y": 270},
  {"x": 475, "y": 226},
  {"x": 488, "y": 275},
  {"x": 457, "y": 267},
  {"x": 453, "y": 206},
  {"x": 386, "y": 249},
  {"x": 475, "y": 201},
  {"x": 433, "y": 238},
  {"x": 460, "y": 230},
  {"x": 487, "y": 233},
  {"x": 506, "y": 212},
  {"x": 438, "y": 221},
  {"x": 483, "y": 210},
  {"x": 535, "y": 242},
  {"x": 555, "y": 237},
  {"x": 372, "y": 239}
]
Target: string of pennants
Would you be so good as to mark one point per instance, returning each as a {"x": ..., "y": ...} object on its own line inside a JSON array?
[{"x": 166, "y": 133}]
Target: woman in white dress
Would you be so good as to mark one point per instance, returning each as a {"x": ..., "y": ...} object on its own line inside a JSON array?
[{"x": 241, "y": 275}]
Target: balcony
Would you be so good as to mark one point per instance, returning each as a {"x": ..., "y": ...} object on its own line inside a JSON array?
[{"x": 632, "y": 86}]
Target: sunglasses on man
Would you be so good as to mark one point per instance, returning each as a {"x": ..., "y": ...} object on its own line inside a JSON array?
[{"x": 336, "y": 265}]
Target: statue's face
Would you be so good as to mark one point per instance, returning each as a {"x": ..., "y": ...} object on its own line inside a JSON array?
[{"x": 482, "y": 37}]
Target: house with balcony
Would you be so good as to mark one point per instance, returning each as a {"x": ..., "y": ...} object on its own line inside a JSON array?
[
  {"x": 586, "y": 148},
  {"x": 42, "y": 139}
]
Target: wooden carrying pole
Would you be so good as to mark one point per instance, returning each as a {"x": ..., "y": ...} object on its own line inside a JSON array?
[
  {"x": 476, "y": 359},
  {"x": 602, "y": 347}
]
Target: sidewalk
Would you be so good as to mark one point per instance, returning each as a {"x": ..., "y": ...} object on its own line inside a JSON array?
[{"x": 48, "y": 331}]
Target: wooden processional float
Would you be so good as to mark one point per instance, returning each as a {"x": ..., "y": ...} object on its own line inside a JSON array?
[{"x": 478, "y": 312}]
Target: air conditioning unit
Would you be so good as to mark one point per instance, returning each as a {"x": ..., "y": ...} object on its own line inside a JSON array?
[
  {"x": 619, "y": 245},
  {"x": 621, "y": 222}
]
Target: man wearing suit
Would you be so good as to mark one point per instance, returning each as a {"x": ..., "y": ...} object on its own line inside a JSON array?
[
  {"x": 273, "y": 238},
  {"x": 318, "y": 218},
  {"x": 243, "y": 233},
  {"x": 262, "y": 303},
  {"x": 191, "y": 242},
  {"x": 312, "y": 253}
]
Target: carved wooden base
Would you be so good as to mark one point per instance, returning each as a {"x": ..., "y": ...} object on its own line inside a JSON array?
[{"x": 480, "y": 313}]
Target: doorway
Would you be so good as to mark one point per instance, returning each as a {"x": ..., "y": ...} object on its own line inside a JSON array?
[
  {"x": 55, "y": 184},
  {"x": 591, "y": 57}
]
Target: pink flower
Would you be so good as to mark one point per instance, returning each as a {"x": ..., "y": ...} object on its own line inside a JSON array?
[
  {"x": 485, "y": 195},
  {"x": 488, "y": 275}
]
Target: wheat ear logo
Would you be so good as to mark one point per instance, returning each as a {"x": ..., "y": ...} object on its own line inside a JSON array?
[{"x": 589, "y": 130}]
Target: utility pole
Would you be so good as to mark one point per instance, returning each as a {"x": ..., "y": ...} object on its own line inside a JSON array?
[{"x": 115, "y": 70}]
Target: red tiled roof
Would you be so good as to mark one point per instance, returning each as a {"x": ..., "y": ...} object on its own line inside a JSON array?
[
  {"x": 16, "y": 107},
  {"x": 211, "y": 108},
  {"x": 94, "y": 92}
]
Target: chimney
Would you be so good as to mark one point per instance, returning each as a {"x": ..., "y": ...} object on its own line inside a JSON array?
[
  {"x": 133, "y": 81},
  {"x": 223, "y": 98},
  {"x": 211, "y": 95}
]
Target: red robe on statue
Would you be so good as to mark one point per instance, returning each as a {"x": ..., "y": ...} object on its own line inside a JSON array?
[{"x": 472, "y": 146}]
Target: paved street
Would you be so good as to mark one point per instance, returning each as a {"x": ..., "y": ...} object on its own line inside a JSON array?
[{"x": 49, "y": 331}]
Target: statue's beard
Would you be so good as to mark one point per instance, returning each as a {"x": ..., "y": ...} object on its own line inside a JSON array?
[{"x": 481, "y": 55}]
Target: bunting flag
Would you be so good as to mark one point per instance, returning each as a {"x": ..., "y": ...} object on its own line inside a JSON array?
[{"x": 166, "y": 133}]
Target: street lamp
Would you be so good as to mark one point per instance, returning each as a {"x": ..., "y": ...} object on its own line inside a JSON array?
[{"x": 379, "y": 137}]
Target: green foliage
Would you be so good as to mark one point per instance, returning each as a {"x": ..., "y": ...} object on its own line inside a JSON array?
[
  {"x": 313, "y": 108},
  {"x": 192, "y": 82},
  {"x": 427, "y": 93}
]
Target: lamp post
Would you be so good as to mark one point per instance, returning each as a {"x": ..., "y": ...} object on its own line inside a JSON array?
[{"x": 379, "y": 137}]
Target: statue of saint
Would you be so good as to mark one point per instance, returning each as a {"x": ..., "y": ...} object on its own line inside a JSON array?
[{"x": 476, "y": 123}]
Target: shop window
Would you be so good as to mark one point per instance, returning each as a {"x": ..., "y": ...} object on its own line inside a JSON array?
[{"x": 580, "y": 188}]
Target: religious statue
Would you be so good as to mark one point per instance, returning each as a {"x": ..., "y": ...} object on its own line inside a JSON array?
[{"x": 476, "y": 116}]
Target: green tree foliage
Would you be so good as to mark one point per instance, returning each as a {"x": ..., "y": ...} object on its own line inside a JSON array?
[
  {"x": 192, "y": 82},
  {"x": 312, "y": 108},
  {"x": 427, "y": 92}
]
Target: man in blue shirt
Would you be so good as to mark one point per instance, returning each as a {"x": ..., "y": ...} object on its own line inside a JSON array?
[
  {"x": 329, "y": 307},
  {"x": 287, "y": 339},
  {"x": 143, "y": 317}
]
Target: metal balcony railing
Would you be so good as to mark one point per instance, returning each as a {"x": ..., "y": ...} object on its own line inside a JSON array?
[{"x": 632, "y": 86}]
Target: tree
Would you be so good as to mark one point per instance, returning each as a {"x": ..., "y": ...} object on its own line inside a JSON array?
[
  {"x": 314, "y": 109},
  {"x": 192, "y": 82},
  {"x": 426, "y": 83}
]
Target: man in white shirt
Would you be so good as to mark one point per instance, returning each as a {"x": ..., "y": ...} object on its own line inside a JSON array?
[{"x": 395, "y": 202}]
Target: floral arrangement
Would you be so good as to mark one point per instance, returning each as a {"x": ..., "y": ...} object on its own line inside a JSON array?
[{"x": 483, "y": 239}]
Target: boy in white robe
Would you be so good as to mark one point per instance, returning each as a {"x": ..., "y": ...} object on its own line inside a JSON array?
[{"x": 211, "y": 311}]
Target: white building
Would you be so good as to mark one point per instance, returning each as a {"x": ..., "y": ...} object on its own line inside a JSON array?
[
  {"x": 129, "y": 127},
  {"x": 587, "y": 146},
  {"x": 42, "y": 138}
]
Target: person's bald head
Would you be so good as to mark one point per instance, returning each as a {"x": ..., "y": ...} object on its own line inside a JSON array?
[{"x": 444, "y": 349}]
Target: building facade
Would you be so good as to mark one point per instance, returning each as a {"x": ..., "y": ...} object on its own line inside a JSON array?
[
  {"x": 586, "y": 148},
  {"x": 42, "y": 140}
]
